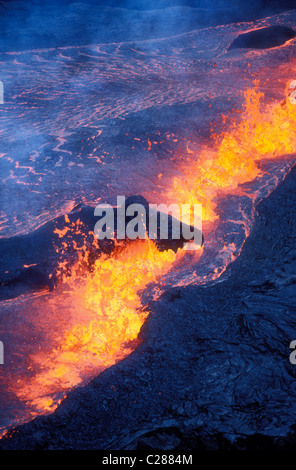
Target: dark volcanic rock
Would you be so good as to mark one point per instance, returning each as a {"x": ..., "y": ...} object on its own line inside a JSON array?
[
  {"x": 32, "y": 258},
  {"x": 264, "y": 38}
]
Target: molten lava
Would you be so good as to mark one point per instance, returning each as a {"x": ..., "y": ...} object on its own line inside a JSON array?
[
  {"x": 103, "y": 316},
  {"x": 232, "y": 161}
]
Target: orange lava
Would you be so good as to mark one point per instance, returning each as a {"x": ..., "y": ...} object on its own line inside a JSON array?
[
  {"x": 232, "y": 160},
  {"x": 101, "y": 316}
]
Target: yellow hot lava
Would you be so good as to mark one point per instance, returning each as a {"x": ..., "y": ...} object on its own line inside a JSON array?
[
  {"x": 232, "y": 161},
  {"x": 104, "y": 307}
]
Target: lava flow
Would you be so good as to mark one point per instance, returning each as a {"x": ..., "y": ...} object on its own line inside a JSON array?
[
  {"x": 234, "y": 159},
  {"x": 105, "y": 318},
  {"x": 93, "y": 317}
]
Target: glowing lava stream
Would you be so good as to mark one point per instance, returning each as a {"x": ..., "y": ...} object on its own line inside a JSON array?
[
  {"x": 105, "y": 311},
  {"x": 93, "y": 318}
]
